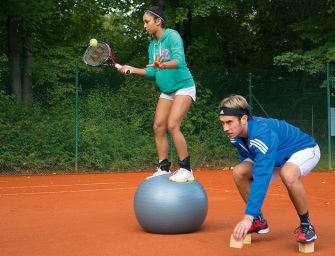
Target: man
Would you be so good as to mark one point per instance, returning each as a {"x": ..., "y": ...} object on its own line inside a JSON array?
[{"x": 268, "y": 148}]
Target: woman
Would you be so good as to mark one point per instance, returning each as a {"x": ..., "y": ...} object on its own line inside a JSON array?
[{"x": 167, "y": 64}]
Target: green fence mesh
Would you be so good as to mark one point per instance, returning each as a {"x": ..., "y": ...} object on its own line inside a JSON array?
[{"x": 115, "y": 117}]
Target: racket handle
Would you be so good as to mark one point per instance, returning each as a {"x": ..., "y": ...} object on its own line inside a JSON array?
[{"x": 127, "y": 71}]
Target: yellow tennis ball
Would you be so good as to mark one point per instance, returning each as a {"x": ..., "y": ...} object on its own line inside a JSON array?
[{"x": 93, "y": 42}]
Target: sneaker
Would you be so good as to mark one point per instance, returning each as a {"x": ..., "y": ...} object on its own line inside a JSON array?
[
  {"x": 158, "y": 173},
  {"x": 182, "y": 175},
  {"x": 306, "y": 234},
  {"x": 259, "y": 227}
]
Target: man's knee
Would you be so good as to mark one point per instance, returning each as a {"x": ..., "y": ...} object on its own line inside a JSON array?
[
  {"x": 243, "y": 171},
  {"x": 290, "y": 173}
]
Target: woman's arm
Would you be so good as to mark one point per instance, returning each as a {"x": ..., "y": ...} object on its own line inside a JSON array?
[{"x": 133, "y": 70}]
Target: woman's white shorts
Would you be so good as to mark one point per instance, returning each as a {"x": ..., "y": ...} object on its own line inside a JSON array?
[{"x": 190, "y": 91}]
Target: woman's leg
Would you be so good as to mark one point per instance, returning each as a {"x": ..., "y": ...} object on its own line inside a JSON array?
[
  {"x": 179, "y": 109},
  {"x": 160, "y": 125}
]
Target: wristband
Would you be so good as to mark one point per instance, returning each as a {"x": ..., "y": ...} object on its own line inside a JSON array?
[{"x": 248, "y": 219}]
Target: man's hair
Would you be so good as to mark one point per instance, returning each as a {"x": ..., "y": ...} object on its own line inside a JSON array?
[{"x": 235, "y": 101}]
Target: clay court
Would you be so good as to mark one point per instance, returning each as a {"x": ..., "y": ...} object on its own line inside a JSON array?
[{"x": 92, "y": 214}]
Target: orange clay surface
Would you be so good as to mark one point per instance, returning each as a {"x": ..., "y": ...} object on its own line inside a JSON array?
[{"x": 92, "y": 214}]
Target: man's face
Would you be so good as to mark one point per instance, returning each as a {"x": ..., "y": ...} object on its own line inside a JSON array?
[{"x": 235, "y": 127}]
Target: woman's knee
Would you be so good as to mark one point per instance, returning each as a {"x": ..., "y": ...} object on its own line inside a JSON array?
[
  {"x": 173, "y": 127},
  {"x": 159, "y": 128}
]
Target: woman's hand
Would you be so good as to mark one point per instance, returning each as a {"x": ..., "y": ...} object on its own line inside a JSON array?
[
  {"x": 157, "y": 63},
  {"x": 132, "y": 70},
  {"x": 124, "y": 68}
]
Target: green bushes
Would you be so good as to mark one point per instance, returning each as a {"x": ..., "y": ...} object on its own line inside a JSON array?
[
  {"x": 116, "y": 115},
  {"x": 115, "y": 129}
]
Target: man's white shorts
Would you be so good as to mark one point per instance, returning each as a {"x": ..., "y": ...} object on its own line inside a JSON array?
[
  {"x": 306, "y": 159},
  {"x": 190, "y": 91}
]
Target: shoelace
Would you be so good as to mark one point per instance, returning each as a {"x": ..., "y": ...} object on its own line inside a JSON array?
[
  {"x": 175, "y": 172},
  {"x": 160, "y": 170},
  {"x": 178, "y": 171},
  {"x": 304, "y": 229},
  {"x": 257, "y": 224}
]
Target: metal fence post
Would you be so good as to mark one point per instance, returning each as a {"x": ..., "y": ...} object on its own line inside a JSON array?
[
  {"x": 329, "y": 119},
  {"x": 250, "y": 94},
  {"x": 76, "y": 121}
]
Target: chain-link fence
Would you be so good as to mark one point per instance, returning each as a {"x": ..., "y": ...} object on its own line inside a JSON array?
[{"x": 108, "y": 126}]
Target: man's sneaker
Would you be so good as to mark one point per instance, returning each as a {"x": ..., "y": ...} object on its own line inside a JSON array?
[
  {"x": 306, "y": 234},
  {"x": 158, "y": 173},
  {"x": 182, "y": 175},
  {"x": 259, "y": 227}
]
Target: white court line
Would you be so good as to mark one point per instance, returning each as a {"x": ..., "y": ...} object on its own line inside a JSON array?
[
  {"x": 218, "y": 189},
  {"x": 110, "y": 189},
  {"x": 309, "y": 198},
  {"x": 68, "y": 185},
  {"x": 61, "y": 192},
  {"x": 280, "y": 195}
]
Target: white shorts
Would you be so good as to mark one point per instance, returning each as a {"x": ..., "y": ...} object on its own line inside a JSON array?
[
  {"x": 306, "y": 159},
  {"x": 190, "y": 91}
]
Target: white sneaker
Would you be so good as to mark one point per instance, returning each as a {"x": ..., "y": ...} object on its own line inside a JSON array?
[
  {"x": 158, "y": 173},
  {"x": 182, "y": 175}
]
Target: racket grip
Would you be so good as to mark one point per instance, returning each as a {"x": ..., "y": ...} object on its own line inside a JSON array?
[{"x": 127, "y": 71}]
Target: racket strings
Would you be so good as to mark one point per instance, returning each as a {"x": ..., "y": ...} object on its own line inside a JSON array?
[{"x": 97, "y": 55}]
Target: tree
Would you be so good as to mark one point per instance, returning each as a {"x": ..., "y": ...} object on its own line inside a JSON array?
[
  {"x": 44, "y": 29},
  {"x": 22, "y": 21},
  {"x": 315, "y": 45},
  {"x": 196, "y": 21}
]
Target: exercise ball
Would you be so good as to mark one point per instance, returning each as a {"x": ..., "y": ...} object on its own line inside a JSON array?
[{"x": 165, "y": 207}]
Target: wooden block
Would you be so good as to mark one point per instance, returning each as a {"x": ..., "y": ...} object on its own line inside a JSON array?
[
  {"x": 306, "y": 247},
  {"x": 234, "y": 243},
  {"x": 247, "y": 239}
]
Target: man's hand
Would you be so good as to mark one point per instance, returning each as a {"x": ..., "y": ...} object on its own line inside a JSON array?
[{"x": 242, "y": 228}]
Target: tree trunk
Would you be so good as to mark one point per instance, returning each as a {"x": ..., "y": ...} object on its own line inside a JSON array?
[
  {"x": 14, "y": 60},
  {"x": 27, "y": 87}
]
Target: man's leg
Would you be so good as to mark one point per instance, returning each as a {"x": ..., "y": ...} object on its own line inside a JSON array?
[
  {"x": 290, "y": 174},
  {"x": 242, "y": 175}
]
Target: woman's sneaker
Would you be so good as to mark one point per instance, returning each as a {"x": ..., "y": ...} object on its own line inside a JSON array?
[
  {"x": 306, "y": 234},
  {"x": 158, "y": 173},
  {"x": 259, "y": 227},
  {"x": 182, "y": 175}
]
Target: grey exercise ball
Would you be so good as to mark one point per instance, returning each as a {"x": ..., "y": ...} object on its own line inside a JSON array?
[{"x": 165, "y": 207}]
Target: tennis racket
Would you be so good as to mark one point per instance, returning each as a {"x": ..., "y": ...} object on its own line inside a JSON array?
[{"x": 98, "y": 55}]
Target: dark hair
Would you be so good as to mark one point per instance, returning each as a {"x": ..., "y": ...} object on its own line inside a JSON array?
[{"x": 158, "y": 12}]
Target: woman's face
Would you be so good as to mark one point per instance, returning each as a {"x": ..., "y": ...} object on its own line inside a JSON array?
[{"x": 149, "y": 24}]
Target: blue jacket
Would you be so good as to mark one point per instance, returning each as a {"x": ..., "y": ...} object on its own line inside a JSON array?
[{"x": 270, "y": 143}]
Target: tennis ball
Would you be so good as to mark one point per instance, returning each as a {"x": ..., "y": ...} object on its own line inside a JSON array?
[{"x": 93, "y": 42}]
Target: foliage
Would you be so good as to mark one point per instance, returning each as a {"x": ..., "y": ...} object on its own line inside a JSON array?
[
  {"x": 315, "y": 45},
  {"x": 234, "y": 35},
  {"x": 224, "y": 40}
]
